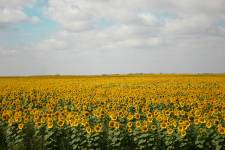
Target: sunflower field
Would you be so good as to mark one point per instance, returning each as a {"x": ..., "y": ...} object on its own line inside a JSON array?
[{"x": 124, "y": 112}]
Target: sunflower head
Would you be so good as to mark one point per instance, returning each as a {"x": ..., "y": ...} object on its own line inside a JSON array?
[
  {"x": 144, "y": 128},
  {"x": 137, "y": 116},
  {"x": 153, "y": 127},
  {"x": 183, "y": 133},
  {"x": 98, "y": 128},
  {"x": 88, "y": 130},
  {"x": 129, "y": 124},
  {"x": 117, "y": 125},
  {"x": 138, "y": 124},
  {"x": 111, "y": 124},
  {"x": 20, "y": 126},
  {"x": 169, "y": 131},
  {"x": 208, "y": 124}
]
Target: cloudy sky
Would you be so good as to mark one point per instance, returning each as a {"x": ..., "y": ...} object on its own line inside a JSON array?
[{"x": 111, "y": 36}]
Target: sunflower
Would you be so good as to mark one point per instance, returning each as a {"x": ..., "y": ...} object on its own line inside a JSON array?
[
  {"x": 153, "y": 127},
  {"x": 130, "y": 117},
  {"x": 75, "y": 123},
  {"x": 137, "y": 116},
  {"x": 174, "y": 123},
  {"x": 113, "y": 117},
  {"x": 149, "y": 115},
  {"x": 60, "y": 123},
  {"x": 121, "y": 114},
  {"x": 185, "y": 127},
  {"x": 98, "y": 128},
  {"x": 221, "y": 129},
  {"x": 17, "y": 118},
  {"x": 88, "y": 130},
  {"x": 145, "y": 123},
  {"x": 163, "y": 125},
  {"x": 117, "y": 125},
  {"x": 197, "y": 113},
  {"x": 111, "y": 124},
  {"x": 5, "y": 116},
  {"x": 26, "y": 119},
  {"x": 169, "y": 131},
  {"x": 149, "y": 120},
  {"x": 50, "y": 125},
  {"x": 129, "y": 124},
  {"x": 201, "y": 120},
  {"x": 86, "y": 114},
  {"x": 159, "y": 117},
  {"x": 216, "y": 121},
  {"x": 182, "y": 133},
  {"x": 129, "y": 130},
  {"x": 208, "y": 124},
  {"x": 101, "y": 115},
  {"x": 196, "y": 121},
  {"x": 144, "y": 128},
  {"x": 43, "y": 120},
  {"x": 38, "y": 124},
  {"x": 20, "y": 126},
  {"x": 10, "y": 122},
  {"x": 138, "y": 124},
  {"x": 180, "y": 127},
  {"x": 167, "y": 113}
]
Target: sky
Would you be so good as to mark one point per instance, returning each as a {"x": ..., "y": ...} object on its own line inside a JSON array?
[{"x": 40, "y": 37}]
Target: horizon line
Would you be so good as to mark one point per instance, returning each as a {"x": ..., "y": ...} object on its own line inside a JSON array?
[{"x": 107, "y": 74}]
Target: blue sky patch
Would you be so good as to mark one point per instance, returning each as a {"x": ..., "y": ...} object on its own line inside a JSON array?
[{"x": 104, "y": 23}]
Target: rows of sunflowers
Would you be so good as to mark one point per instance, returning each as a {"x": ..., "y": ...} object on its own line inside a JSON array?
[{"x": 113, "y": 112}]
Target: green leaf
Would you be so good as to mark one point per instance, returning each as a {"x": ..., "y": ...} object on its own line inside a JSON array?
[
  {"x": 145, "y": 135},
  {"x": 218, "y": 147},
  {"x": 73, "y": 136},
  {"x": 142, "y": 141},
  {"x": 117, "y": 133}
]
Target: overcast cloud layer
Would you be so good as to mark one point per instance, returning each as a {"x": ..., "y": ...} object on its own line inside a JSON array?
[{"x": 112, "y": 36}]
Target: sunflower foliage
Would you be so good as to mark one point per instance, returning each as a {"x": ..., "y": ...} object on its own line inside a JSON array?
[{"x": 14, "y": 137}]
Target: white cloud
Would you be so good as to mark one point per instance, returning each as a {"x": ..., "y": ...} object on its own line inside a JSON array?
[
  {"x": 52, "y": 44},
  {"x": 7, "y": 51},
  {"x": 15, "y": 3},
  {"x": 70, "y": 15},
  {"x": 148, "y": 18},
  {"x": 12, "y": 12},
  {"x": 12, "y": 16}
]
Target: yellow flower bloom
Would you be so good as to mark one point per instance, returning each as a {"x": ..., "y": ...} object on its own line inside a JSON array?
[
  {"x": 137, "y": 116},
  {"x": 113, "y": 117},
  {"x": 10, "y": 122},
  {"x": 130, "y": 117},
  {"x": 208, "y": 124},
  {"x": 144, "y": 128},
  {"x": 153, "y": 127},
  {"x": 169, "y": 131},
  {"x": 182, "y": 133},
  {"x": 88, "y": 130},
  {"x": 129, "y": 124},
  {"x": 20, "y": 126},
  {"x": 117, "y": 125},
  {"x": 129, "y": 130},
  {"x": 163, "y": 125},
  {"x": 50, "y": 124},
  {"x": 138, "y": 124},
  {"x": 221, "y": 130},
  {"x": 98, "y": 128},
  {"x": 60, "y": 123},
  {"x": 111, "y": 124}
]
